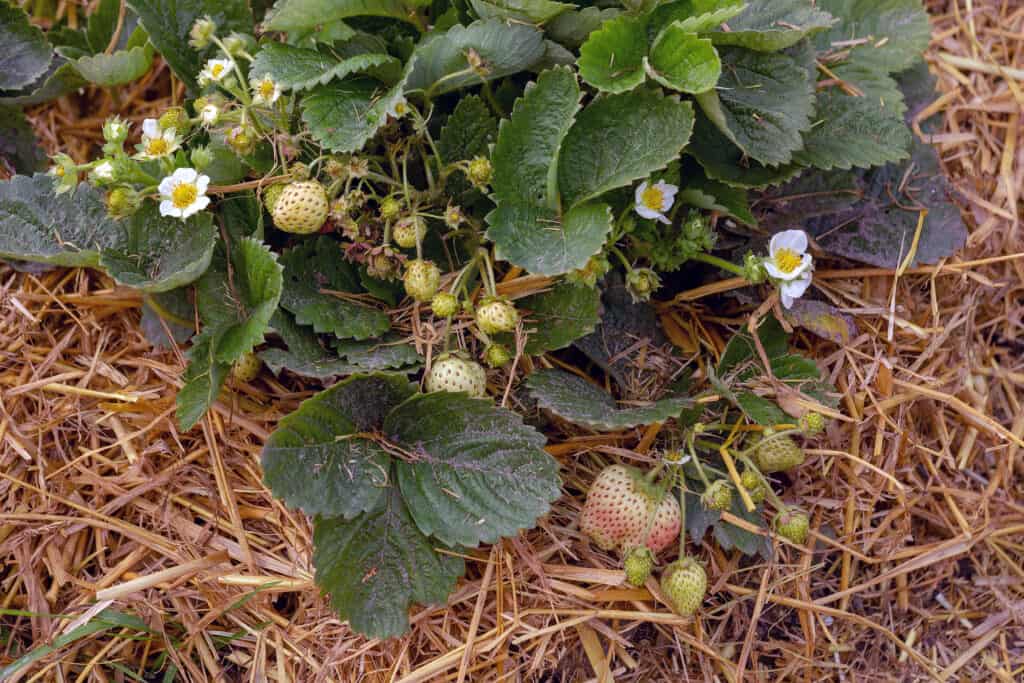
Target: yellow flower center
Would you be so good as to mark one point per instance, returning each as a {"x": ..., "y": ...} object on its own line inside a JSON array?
[
  {"x": 157, "y": 147},
  {"x": 216, "y": 70},
  {"x": 58, "y": 171},
  {"x": 400, "y": 108},
  {"x": 267, "y": 89},
  {"x": 787, "y": 260},
  {"x": 652, "y": 198},
  {"x": 183, "y": 195}
]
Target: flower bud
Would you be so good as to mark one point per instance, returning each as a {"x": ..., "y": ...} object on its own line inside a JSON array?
[
  {"x": 122, "y": 202},
  {"x": 201, "y": 158},
  {"x": 201, "y": 33}
]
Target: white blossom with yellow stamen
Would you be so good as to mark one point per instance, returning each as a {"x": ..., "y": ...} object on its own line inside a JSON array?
[
  {"x": 183, "y": 193},
  {"x": 653, "y": 201},
  {"x": 265, "y": 91},
  {"x": 789, "y": 264},
  {"x": 156, "y": 143},
  {"x": 216, "y": 70}
]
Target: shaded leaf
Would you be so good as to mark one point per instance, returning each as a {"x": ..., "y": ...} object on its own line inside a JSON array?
[
  {"x": 694, "y": 16},
  {"x": 298, "y": 15},
  {"x": 59, "y": 79},
  {"x": 530, "y": 11},
  {"x": 477, "y": 472},
  {"x": 725, "y": 162},
  {"x": 822, "y": 319},
  {"x": 203, "y": 378},
  {"x": 123, "y": 66},
  {"x": 557, "y": 318},
  {"x": 892, "y": 34},
  {"x": 575, "y": 399},
  {"x": 299, "y": 69},
  {"x": 741, "y": 347},
  {"x": 853, "y": 131},
  {"x": 612, "y": 59},
  {"x": 344, "y": 115},
  {"x": 18, "y": 148},
  {"x": 618, "y": 139},
  {"x": 386, "y": 353},
  {"x": 24, "y": 52},
  {"x": 772, "y": 25},
  {"x": 305, "y": 356},
  {"x": 572, "y": 28},
  {"x": 168, "y": 312},
  {"x": 538, "y": 240},
  {"x": 682, "y": 61},
  {"x": 379, "y": 563}
]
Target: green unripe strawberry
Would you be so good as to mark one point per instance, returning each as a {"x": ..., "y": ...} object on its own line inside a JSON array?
[
  {"x": 792, "y": 525},
  {"x": 390, "y": 207},
  {"x": 301, "y": 208},
  {"x": 422, "y": 278},
  {"x": 480, "y": 171},
  {"x": 246, "y": 368},
  {"x": 754, "y": 484},
  {"x": 408, "y": 231},
  {"x": 685, "y": 583},
  {"x": 638, "y": 564},
  {"x": 451, "y": 372},
  {"x": 718, "y": 496},
  {"x": 497, "y": 355},
  {"x": 123, "y": 202},
  {"x": 176, "y": 118},
  {"x": 812, "y": 423},
  {"x": 444, "y": 305},
  {"x": 496, "y": 315},
  {"x": 777, "y": 453},
  {"x": 299, "y": 171},
  {"x": 271, "y": 195}
]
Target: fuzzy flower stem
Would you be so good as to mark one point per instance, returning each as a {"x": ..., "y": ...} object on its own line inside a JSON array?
[{"x": 719, "y": 263}]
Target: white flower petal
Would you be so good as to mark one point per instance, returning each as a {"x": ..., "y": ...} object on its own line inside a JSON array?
[
  {"x": 151, "y": 128},
  {"x": 202, "y": 182},
  {"x": 167, "y": 185},
  {"x": 648, "y": 213},
  {"x": 794, "y": 289},
  {"x": 167, "y": 208},
  {"x": 185, "y": 175},
  {"x": 639, "y": 195},
  {"x": 794, "y": 240}
]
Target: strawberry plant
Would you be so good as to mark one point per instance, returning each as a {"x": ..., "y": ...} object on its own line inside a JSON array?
[{"x": 385, "y": 197}]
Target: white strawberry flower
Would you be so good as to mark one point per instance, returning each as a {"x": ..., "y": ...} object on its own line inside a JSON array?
[
  {"x": 103, "y": 171},
  {"x": 399, "y": 109},
  {"x": 789, "y": 264},
  {"x": 265, "y": 91},
  {"x": 156, "y": 143},
  {"x": 183, "y": 193},
  {"x": 209, "y": 114},
  {"x": 653, "y": 201},
  {"x": 216, "y": 70}
]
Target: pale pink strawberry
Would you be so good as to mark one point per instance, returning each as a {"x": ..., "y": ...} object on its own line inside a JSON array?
[{"x": 618, "y": 510}]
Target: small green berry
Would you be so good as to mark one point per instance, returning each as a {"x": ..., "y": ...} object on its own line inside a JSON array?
[
  {"x": 718, "y": 496},
  {"x": 444, "y": 305},
  {"x": 496, "y": 315},
  {"x": 812, "y": 423},
  {"x": 685, "y": 583},
  {"x": 480, "y": 171},
  {"x": 754, "y": 484},
  {"x": 408, "y": 231},
  {"x": 390, "y": 207},
  {"x": 793, "y": 525},
  {"x": 246, "y": 368},
  {"x": 638, "y": 564},
  {"x": 497, "y": 355}
]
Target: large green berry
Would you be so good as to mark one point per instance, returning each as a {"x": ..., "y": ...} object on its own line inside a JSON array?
[
  {"x": 301, "y": 208},
  {"x": 638, "y": 564},
  {"x": 450, "y": 372},
  {"x": 685, "y": 583},
  {"x": 496, "y": 316},
  {"x": 754, "y": 484},
  {"x": 718, "y": 496},
  {"x": 792, "y": 525},
  {"x": 408, "y": 231},
  {"x": 422, "y": 278},
  {"x": 247, "y": 367},
  {"x": 444, "y": 305},
  {"x": 777, "y": 453}
]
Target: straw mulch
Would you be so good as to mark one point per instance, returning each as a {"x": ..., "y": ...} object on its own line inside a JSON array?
[{"x": 916, "y": 574}]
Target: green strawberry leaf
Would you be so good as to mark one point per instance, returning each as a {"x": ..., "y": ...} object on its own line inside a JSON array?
[
  {"x": 305, "y": 356},
  {"x": 388, "y": 352},
  {"x": 168, "y": 23},
  {"x": 612, "y": 59},
  {"x": 763, "y": 103},
  {"x": 853, "y": 131},
  {"x": 344, "y": 115},
  {"x": 875, "y": 85},
  {"x": 297, "y": 68},
  {"x": 442, "y": 64},
  {"x": 684, "y": 62},
  {"x": 123, "y": 66},
  {"x": 773, "y": 25},
  {"x": 618, "y": 139},
  {"x": 725, "y": 162},
  {"x": 24, "y": 52},
  {"x": 237, "y": 300},
  {"x": 527, "y": 11},
  {"x": 379, "y": 563},
  {"x": 823, "y": 319},
  {"x": 173, "y": 309},
  {"x": 885, "y": 35},
  {"x": 159, "y": 253},
  {"x": 468, "y": 133},
  {"x": 760, "y": 410},
  {"x": 700, "y": 191},
  {"x": 317, "y": 461},
  {"x": 525, "y": 157},
  {"x": 203, "y": 379},
  {"x": 302, "y": 15},
  {"x": 741, "y": 347},
  {"x": 476, "y": 472},
  {"x": 693, "y": 16},
  {"x": 59, "y": 79},
  {"x": 575, "y": 399},
  {"x": 699, "y": 519},
  {"x": 315, "y": 265},
  {"x": 560, "y": 316},
  {"x": 538, "y": 240},
  {"x": 572, "y": 28},
  {"x": 18, "y": 148}
]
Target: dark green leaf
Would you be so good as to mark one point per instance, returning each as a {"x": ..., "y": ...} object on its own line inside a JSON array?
[
  {"x": 760, "y": 410},
  {"x": 536, "y": 239},
  {"x": 468, "y": 132},
  {"x": 311, "y": 269},
  {"x": 24, "y": 52},
  {"x": 575, "y": 399},
  {"x": 618, "y": 139},
  {"x": 160, "y": 253},
  {"x": 203, "y": 379},
  {"x": 305, "y": 355},
  {"x": 344, "y": 115},
  {"x": 386, "y": 353},
  {"x": 168, "y": 23},
  {"x": 684, "y": 62},
  {"x": 123, "y": 66},
  {"x": 298, "y": 68},
  {"x": 476, "y": 473},
  {"x": 379, "y": 563},
  {"x": 612, "y": 59},
  {"x": 165, "y": 312},
  {"x": 525, "y": 157},
  {"x": 772, "y": 25},
  {"x": 763, "y": 103},
  {"x": 441, "y": 62},
  {"x": 18, "y": 148},
  {"x": 298, "y": 15},
  {"x": 315, "y": 460},
  {"x": 695, "y": 16},
  {"x": 853, "y": 131},
  {"x": 529, "y": 11},
  {"x": 741, "y": 347},
  {"x": 725, "y": 162},
  {"x": 877, "y": 86},
  {"x": 572, "y": 28},
  {"x": 557, "y": 318},
  {"x": 59, "y": 79},
  {"x": 887, "y": 35},
  {"x": 711, "y": 195}
]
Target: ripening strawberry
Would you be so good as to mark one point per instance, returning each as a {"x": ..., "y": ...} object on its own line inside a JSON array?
[
  {"x": 422, "y": 278},
  {"x": 450, "y": 372},
  {"x": 685, "y": 583},
  {"x": 618, "y": 509},
  {"x": 496, "y": 315},
  {"x": 301, "y": 208},
  {"x": 777, "y": 454}
]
